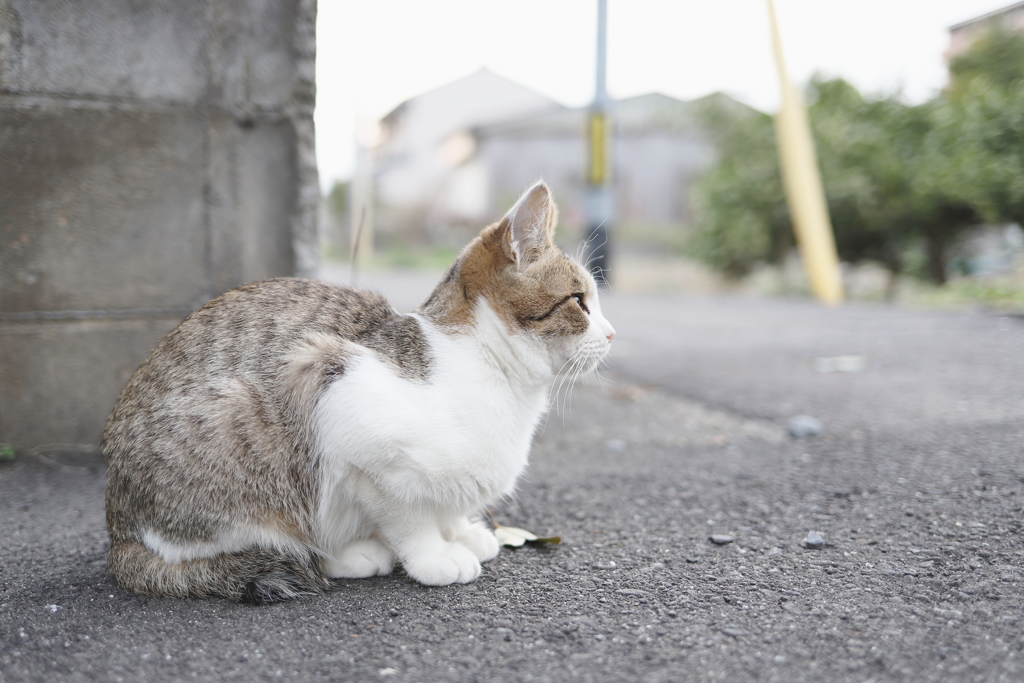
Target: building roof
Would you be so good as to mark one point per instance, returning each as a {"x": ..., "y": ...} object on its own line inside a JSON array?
[
  {"x": 987, "y": 17},
  {"x": 632, "y": 115},
  {"x": 483, "y": 74}
]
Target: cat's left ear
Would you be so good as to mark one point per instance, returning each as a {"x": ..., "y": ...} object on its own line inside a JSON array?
[{"x": 531, "y": 224}]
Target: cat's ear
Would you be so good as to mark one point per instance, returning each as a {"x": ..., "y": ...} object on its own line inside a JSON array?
[{"x": 530, "y": 224}]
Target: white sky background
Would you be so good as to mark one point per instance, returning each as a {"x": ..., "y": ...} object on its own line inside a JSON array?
[{"x": 374, "y": 54}]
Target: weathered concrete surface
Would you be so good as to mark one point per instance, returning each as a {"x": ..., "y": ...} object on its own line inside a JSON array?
[
  {"x": 83, "y": 363},
  {"x": 102, "y": 210},
  {"x": 152, "y": 156},
  {"x": 920, "y": 577}
]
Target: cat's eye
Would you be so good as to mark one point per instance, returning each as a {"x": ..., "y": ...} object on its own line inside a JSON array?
[{"x": 579, "y": 300}]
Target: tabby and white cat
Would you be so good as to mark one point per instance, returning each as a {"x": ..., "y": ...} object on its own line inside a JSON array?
[{"x": 290, "y": 431}]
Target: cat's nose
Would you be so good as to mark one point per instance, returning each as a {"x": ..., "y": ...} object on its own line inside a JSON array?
[{"x": 611, "y": 335}]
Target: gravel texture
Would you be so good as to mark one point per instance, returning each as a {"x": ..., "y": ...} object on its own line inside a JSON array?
[{"x": 919, "y": 576}]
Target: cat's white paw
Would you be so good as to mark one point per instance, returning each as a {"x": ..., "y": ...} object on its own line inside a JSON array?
[
  {"x": 454, "y": 564},
  {"x": 360, "y": 560},
  {"x": 480, "y": 540}
]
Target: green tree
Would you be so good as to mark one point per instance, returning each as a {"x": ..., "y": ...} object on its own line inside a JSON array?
[
  {"x": 740, "y": 210},
  {"x": 971, "y": 162},
  {"x": 981, "y": 124},
  {"x": 946, "y": 189},
  {"x": 865, "y": 148},
  {"x": 997, "y": 57},
  {"x": 895, "y": 176}
]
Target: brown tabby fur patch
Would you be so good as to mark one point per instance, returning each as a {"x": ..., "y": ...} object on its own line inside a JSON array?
[
  {"x": 216, "y": 421},
  {"x": 535, "y": 296}
]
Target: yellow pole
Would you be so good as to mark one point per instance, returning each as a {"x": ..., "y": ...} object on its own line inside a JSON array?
[{"x": 804, "y": 191}]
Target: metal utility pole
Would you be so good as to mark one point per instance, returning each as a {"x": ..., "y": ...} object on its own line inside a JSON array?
[
  {"x": 599, "y": 201},
  {"x": 805, "y": 193}
]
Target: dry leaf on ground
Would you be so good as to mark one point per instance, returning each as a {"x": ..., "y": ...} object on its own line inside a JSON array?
[{"x": 515, "y": 537}]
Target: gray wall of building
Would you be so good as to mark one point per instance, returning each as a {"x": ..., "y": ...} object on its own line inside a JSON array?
[
  {"x": 152, "y": 155},
  {"x": 653, "y": 172}
]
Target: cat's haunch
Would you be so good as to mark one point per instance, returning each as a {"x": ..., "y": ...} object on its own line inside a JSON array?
[{"x": 290, "y": 432}]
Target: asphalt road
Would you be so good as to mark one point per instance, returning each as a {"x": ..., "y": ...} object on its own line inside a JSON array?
[{"x": 916, "y": 484}]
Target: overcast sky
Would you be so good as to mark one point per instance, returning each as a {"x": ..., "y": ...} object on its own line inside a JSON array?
[{"x": 374, "y": 54}]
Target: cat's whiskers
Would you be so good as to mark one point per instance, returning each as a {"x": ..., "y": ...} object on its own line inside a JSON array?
[
  {"x": 597, "y": 370},
  {"x": 563, "y": 375},
  {"x": 582, "y": 250},
  {"x": 566, "y": 398},
  {"x": 553, "y": 395},
  {"x": 583, "y": 369},
  {"x": 579, "y": 363},
  {"x": 600, "y": 275},
  {"x": 559, "y": 375}
]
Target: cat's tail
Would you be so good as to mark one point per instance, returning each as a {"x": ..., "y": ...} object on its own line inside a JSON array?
[{"x": 256, "y": 576}]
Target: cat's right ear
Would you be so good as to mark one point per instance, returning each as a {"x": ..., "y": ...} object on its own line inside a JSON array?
[{"x": 529, "y": 225}]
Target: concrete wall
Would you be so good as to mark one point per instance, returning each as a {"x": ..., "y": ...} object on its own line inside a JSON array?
[{"x": 152, "y": 155}]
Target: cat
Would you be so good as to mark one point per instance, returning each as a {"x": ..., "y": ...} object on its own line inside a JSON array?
[{"x": 291, "y": 432}]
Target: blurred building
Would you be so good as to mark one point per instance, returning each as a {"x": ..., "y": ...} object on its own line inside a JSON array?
[
  {"x": 659, "y": 148},
  {"x": 462, "y": 154},
  {"x": 1010, "y": 18},
  {"x": 420, "y": 171}
]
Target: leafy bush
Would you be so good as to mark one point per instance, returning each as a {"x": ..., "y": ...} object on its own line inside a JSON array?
[{"x": 896, "y": 176}]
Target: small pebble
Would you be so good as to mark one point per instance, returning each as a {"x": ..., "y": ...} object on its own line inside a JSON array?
[
  {"x": 814, "y": 540},
  {"x": 721, "y": 539},
  {"x": 804, "y": 426}
]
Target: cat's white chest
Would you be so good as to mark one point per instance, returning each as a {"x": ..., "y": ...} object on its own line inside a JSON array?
[{"x": 463, "y": 434}]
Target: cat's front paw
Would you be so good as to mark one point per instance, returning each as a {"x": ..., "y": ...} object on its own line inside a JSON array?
[
  {"x": 454, "y": 564},
  {"x": 480, "y": 540},
  {"x": 360, "y": 560}
]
